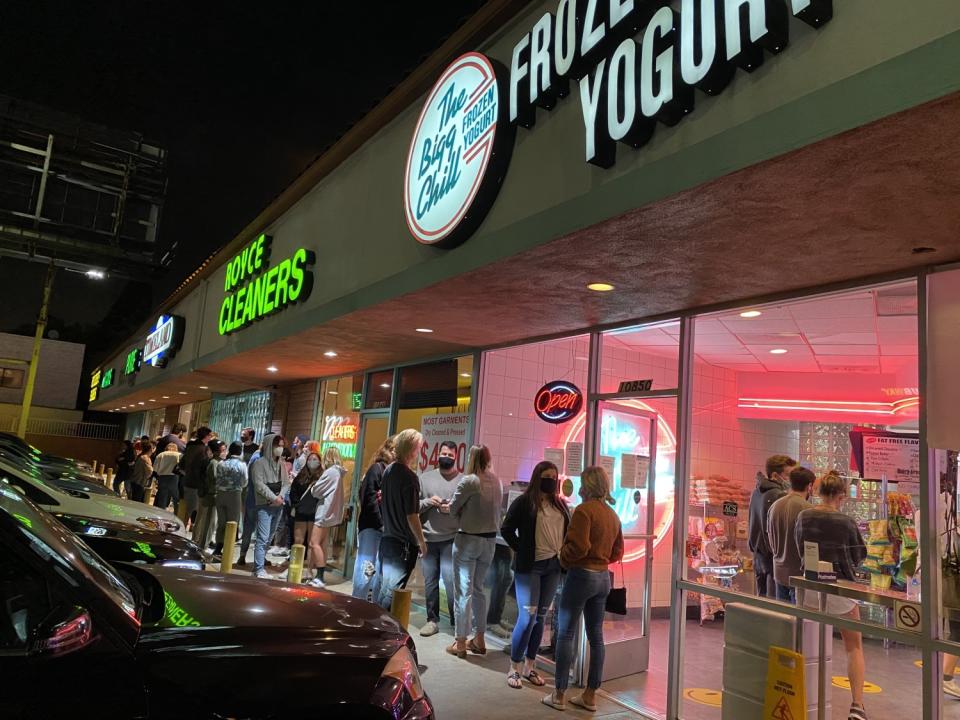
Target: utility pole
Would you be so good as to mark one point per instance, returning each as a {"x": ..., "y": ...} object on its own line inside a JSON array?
[{"x": 35, "y": 356}]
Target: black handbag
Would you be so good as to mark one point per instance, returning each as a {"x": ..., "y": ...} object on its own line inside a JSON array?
[{"x": 617, "y": 598}]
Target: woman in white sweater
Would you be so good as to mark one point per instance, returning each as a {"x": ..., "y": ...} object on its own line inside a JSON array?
[{"x": 328, "y": 491}]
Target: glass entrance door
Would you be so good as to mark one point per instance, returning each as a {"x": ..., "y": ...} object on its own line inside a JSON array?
[
  {"x": 634, "y": 443},
  {"x": 374, "y": 429}
]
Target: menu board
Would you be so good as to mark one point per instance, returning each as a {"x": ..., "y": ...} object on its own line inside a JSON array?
[{"x": 896, "y": 458}]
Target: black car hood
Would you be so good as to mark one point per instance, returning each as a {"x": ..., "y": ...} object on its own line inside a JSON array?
[{"x": 229, "y": 615}]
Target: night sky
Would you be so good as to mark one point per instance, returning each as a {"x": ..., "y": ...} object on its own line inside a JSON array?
[{"x": 243, "y": 95}]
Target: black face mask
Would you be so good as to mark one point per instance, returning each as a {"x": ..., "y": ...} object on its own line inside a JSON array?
[
  {"x": 445, "y": 463},
  {"x": 548, "y": 485}
]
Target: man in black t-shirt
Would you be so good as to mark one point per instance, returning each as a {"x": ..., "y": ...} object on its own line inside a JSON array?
[{"x": 402, "y": 540}]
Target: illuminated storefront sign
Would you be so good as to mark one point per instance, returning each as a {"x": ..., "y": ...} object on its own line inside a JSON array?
[
  {"x": 459, "y": 152},
  {"x": 342, "y": 433},
  {"x": 133, "y": 361},
  {"x": 558, "y": 402},
  {"x": 106, "y": 379},
  {"x": 254, "y": 290},
  {"x": 627, "y": 86},
  {"x": 164, "y": 340},
  {"x": 95, "y": 384}
]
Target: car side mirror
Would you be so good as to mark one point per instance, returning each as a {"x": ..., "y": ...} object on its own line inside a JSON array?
[{"x": 62, "y": 632}]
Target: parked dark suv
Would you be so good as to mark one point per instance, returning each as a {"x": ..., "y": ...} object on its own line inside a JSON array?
[{"x": 79, "y": 638}]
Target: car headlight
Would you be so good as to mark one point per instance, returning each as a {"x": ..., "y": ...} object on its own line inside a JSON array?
[
  {"x": 400, "y": 674},
  {"x": 161, "y": 524}
]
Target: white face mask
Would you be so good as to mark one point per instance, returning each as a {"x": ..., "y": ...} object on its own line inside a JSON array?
[
  {"x": 313, "y": 464},
  {"x": 277, "y": 451}
]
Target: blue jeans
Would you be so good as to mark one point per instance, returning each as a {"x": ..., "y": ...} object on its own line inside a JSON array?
[
  {"x": 268, "y": 517},
  {"x": 584, "y": 592},
  {"x": 786, "y": 594},
  {"x": 535, "y": 592},
  {"x": 366, "y": 581},
  {"x": 438, "y": 562},
  {"x": 397, "y": 560},
  {"x": 472, "y": 556}
]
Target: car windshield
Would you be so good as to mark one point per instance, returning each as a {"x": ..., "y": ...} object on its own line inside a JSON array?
[{"x": 69, "y": 556}]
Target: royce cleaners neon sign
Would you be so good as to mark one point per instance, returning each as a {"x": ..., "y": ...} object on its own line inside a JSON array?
[
  {"x": 626, "y": 86},
  {"x": 255, "y": 290}
]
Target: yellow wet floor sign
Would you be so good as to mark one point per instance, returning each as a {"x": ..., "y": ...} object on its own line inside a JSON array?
[{"x": 785, "y": 698}]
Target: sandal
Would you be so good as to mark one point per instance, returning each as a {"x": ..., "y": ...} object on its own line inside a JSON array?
[
  {"x": 455, "y": 650},
  {"x": 550, "y": 702},
  {"x": 476, "y": 649},
  {"x": 534, "y": 678},
  {"x": 513, "y": 680},
  {"x": 581, "y": 703},
  {"x": 857, "y": 712}
]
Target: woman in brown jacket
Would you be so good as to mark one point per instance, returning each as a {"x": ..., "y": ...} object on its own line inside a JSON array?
[
  {"x": 593, "y": 541},
  {"x": 142, "y": 474}
]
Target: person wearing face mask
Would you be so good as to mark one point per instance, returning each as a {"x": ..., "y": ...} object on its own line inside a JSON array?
[
  {"x": 304, "y": 505},
  {"x": 781, "y": 522},
  {"x": 207, "y": 492},
  {"x": 270, "y": 479},
  {"x": 439, "y": 528},
  {"x": 770, "y": 488},
  {"x": 328, "y": 491},
  {"x": 534, "y": 528}
]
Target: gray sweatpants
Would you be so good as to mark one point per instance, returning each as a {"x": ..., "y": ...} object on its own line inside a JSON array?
[{"x": 229, "y": 507}]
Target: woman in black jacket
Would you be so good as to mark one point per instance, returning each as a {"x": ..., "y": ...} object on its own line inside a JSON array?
[
  {"x": 366, "y": 583},
  {"x": 534, "y": 528},
  {"x": 125, "y": 461}
]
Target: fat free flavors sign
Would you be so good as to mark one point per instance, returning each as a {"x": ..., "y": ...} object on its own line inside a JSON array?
[
  {"x": 254, "y": 289},
  {"x": 459, "y": 154}
]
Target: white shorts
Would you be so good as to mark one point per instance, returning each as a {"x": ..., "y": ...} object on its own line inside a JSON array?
[{"x": 839, "y": 606}]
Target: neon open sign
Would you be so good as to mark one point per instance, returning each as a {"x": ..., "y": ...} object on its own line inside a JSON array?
[{"x": 558, "y": 401}]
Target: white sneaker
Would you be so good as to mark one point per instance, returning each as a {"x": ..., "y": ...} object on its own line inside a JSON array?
[
  {"x": 317, "y": 583},
  {"x": 951, "y": 688},
  {"x": 283, "y": 575},
  {"x": 429, "y": 629},
  {"x": 261, "y": 574}
]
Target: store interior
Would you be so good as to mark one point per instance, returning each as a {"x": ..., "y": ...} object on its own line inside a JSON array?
[{"x": 790, "y": 378}]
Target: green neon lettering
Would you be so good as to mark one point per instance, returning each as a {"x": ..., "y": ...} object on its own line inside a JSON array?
[
  {"x": 296, "y": 273},
  {"x": 283, "y": 275},
  {"x": 238, "y": 306},
  {"x": 270, "y": 284},
  {"x": 258, "y": 260},
  {"x": 224, "y": 314}
]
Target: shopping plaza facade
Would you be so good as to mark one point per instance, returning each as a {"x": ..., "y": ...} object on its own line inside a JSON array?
[{"x": 672, "y": 239}]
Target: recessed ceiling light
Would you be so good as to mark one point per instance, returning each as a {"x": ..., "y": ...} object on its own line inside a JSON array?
[
  {"x": 333, "y": 392},
  {"x": 751, "y": 314},
  {"x": 424, "y": 330},
  {"x": 181, "y": 393},
  {"x": 330, "y": 353},
  {"x": 165, "y": 397},
  {"x": 465, "y": 375},
  {"x": 600, "y": 287},
  {"x": 778, "y": 351},
  {"x": 152, "y": 400},
  {"x": 384, "y": 385},
  {"x": 203, "y": 387},
  {"x": 141, "y": 403},
  {"x": 273, "y": 368}
]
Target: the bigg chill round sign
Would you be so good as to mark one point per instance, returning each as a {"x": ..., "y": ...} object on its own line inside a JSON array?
[{"x": 459, "y": 154}]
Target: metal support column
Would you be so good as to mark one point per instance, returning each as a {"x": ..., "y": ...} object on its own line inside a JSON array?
[
  {"x": 41, "y": 194},
  {"x": 35, "y": 355}
]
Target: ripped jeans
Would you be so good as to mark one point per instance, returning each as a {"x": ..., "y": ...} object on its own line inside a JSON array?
[
  {"x": 535, "y": 592},
  {"x": 366, "y": 581}
]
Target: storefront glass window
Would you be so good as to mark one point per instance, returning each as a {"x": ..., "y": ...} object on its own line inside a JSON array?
[
  {"x": 339, "y": 427},
  {"x": 639, "y": 359},
  {"x": 831, "y": 383},
  {"x": 379, "y": 390},
  {"x": 227, "y": 415},
  {"x": 435, "y": 399}
]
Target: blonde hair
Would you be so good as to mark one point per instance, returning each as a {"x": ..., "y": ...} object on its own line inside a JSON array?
[
  {"x": 406, "y": 444},
  {"x": 478, "y": 460},
  {"x": 832, "y": 485},
  {"x": 331, "y": 457},
  {"x": 595, "y": 485}
]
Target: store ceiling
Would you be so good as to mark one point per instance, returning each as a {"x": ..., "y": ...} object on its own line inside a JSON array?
[
  {"x": 864, "y": 331},
  {"x": 853, "y": 206}
]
